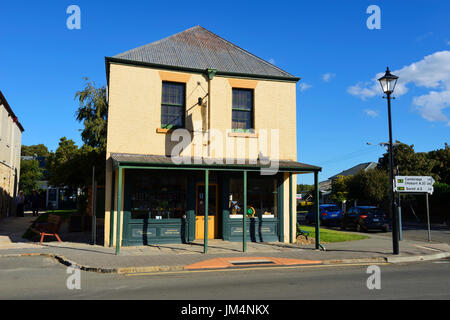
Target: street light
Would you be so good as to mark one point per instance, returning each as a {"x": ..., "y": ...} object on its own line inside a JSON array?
[{"x": 388, "y": 82}]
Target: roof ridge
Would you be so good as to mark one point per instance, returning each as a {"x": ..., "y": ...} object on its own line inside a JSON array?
[
  {"x": 157, "y": 41},
  {"x": 240, "y": 61}
]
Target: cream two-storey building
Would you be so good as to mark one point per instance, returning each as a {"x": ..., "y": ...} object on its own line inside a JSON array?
[{"x": 201, "y": 134}]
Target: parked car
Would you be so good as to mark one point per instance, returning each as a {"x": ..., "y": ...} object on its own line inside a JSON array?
[
  {"x": 329, "y": 213},
  {"x": 364, "y": 218}
]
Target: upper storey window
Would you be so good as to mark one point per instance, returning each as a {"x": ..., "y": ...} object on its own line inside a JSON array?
[
  {"x": 242, "y": 109},
  {"x": 173, "y": 105}
]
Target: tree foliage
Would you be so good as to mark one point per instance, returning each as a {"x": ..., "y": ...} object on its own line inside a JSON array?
[
  {"x": 441, "y": 169},
  {"x": 93, "y": 112},
  {"x": 409, "y": 162},
  {"x": 39, "y": 149},
  {"x": 339, "y": 188},
  {"x": 72, "y": 166},
  {"x": 304, "y": 188},
  {"x": 371, "y": 186},
  {"x": 30, "y": 174}
]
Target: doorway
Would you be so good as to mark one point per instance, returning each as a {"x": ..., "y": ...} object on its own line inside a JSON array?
[{"x": 213, "y": 219}]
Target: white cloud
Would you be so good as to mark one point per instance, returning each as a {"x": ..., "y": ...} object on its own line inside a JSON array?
[
  {"x": 371, "y": 113},
  {"x": 328, "y": 76},
  {"x": 432, "y": 72},
  {"x": 304, "y": 86},
  {"x": 272, "y": 61}
]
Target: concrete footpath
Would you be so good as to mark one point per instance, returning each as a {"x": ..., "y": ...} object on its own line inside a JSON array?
[{"x": 223, "y": 254}]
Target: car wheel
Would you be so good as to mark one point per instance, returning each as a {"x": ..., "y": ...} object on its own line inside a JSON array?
[{"x": 358, "y": 227}]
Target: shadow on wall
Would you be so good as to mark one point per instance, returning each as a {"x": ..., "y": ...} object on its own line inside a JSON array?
[
  {"x": 189, "y": 122},
  {"x": 6, "y": 204}
]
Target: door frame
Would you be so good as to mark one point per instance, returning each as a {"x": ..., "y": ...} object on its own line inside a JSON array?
[{"x": 216, "y": 219}]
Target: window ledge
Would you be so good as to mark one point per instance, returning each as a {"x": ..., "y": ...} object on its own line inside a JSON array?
[
  {"x": 243, "y": 134},
  {"x": 164, "y": 131}
]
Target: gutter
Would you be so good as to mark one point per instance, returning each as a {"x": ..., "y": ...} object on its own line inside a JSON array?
[{"x": 109, "y": 60}]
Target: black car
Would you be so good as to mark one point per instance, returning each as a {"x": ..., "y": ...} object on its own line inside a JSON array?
[{"x": 365, "y": 218}]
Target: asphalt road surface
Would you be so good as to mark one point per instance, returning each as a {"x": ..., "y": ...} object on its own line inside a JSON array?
[{"x": 44, "y": 278}]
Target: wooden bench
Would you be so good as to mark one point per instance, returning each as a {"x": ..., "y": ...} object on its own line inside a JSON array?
[
  {"x": 49, "y": 228},
  {"x": 302, "y": 232}
]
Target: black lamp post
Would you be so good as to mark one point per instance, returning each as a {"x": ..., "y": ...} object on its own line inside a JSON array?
[{"x": 388, "y": 82}]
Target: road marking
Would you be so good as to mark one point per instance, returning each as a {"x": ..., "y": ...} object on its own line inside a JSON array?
[
  {"x": 432, "y": 249},
  {"x": 251, "y": 269}
]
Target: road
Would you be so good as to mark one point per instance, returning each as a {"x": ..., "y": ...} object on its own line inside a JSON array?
[{"x": 44, "y": 278}]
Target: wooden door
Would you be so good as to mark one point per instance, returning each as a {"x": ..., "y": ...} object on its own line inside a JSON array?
[{"x": 213, "y": 221}]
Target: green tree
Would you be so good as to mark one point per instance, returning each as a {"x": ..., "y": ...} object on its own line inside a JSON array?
[
  {"x": 371, "y": 186},
  {"x": 339, "y": 188},
  {"x": 72, "y": 166},
  {"x": 304, "y": 188},
  {"x": 93, "y": 112},
  {"x": 441, "y": 169},
  {"x": 408, "y": 161},
  {"x": 30, "y": 174},
  {"x": 39, "y": 149},
  {"x": 60, "y": 164}
]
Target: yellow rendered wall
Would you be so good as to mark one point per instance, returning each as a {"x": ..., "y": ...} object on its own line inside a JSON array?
[{"x": 134, "y": 96}]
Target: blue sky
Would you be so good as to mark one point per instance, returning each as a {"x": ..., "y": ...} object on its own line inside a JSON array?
[{"x": 326, "y": 43}]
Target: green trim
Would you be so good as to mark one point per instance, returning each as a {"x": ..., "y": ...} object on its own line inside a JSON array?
[
  {"x": 119, "y": 211},
  {"x": 290, "y": 210},
  {"x": 109, "y": 60},
  {"x": 317, "y": 208},
  {"x": 205, "y": 249},
  {"x": 211, "y": 73},
  {"x": 170, "y": 126},
  {"x": 111, "y": 212},
  {"x": 281, "y": 208},
  {"x": 244, "y": 214},
  {"x": 216, "y": 167}
]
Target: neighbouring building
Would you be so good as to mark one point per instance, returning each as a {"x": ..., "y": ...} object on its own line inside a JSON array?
[
  {"x": 325, "y": 186},
  {"x": 10, "y": 145},
  {"x": 236, "y": 116}
]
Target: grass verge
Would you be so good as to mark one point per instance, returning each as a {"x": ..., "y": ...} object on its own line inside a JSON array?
[{"x": 328, "y": 236}]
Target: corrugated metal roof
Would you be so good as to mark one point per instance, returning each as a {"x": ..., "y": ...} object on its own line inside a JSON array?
[
  {"x": 198, "y": 48},
  {"x": 125, "y": 158},
  {"x": 355, "y": 170}
]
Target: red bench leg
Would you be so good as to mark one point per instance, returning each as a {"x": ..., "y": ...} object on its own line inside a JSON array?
[
  {"x": 57, "y": 237},
  {"x": 42, "y": 238}
]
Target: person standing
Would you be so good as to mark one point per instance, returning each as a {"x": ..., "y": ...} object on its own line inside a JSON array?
[
  {"x": 35, "y": 203},
  {"x": 20, "y": 202}
]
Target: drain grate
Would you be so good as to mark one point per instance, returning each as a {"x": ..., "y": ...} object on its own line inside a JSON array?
[{"x": 251, "y": 262}]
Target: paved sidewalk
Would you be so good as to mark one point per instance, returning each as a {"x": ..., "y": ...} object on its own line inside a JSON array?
[
  {"x": 75, "y": 251},
  {"x": 173, "y": 257}
]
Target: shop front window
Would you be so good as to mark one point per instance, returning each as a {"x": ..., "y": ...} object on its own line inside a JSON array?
[
  {"x": 261, "y": 195},
  {"x": 157, "y": 196}
]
